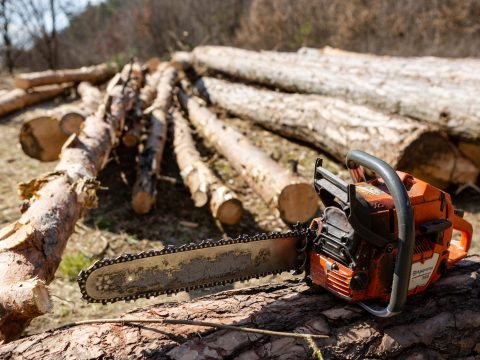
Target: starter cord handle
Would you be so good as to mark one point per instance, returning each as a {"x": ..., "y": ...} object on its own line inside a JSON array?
[{"x": 406, "y": 230}]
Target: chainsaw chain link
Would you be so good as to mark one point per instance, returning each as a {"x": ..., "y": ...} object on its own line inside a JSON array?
[{"x": 297, "y": 231}]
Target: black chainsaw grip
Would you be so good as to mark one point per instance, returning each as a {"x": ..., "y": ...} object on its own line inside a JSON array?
[{"x": 406, "y": 230}]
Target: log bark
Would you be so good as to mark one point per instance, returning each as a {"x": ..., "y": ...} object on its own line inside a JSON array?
[
  {"x": 31, "y": 247},
  {"x": 448, "y": 107},
  {"x": 93, "y": 74},
  {"x": 200, "y": 179},
  {"x": 150, "y": 158},
  {"x": 42, "y": 137},
  {"x": 292, "y": 195},
  {"x": 17, "y": 99},
  {"x": 336, "y": 127},
  {"x": 434, "y": 70},
  {"x": 438, "y": 324}
]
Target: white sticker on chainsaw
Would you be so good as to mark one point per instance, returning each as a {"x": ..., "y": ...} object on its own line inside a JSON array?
[
  {"x": 421, "y": 272},
  {"x": 369, "y": 189}
]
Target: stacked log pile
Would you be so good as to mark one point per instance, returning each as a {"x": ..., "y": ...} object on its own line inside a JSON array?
[
  {"x": 31, "y": 247},
  {"x": 420, "y": 115}
]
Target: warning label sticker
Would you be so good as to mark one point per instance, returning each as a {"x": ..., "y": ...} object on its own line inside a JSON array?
[
  {"x": 421, "y": 272},
  {"x": 369, "y": 189}
]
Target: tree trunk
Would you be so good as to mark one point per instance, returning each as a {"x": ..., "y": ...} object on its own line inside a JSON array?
[
  {"x": 291, "y": 194},
  {"x": 438, "y": 324},
  {"x": 93, "y": 74},
  {"x": 433, "y": 70},
  {"x": 336, "y": 127},
  {"x": 200, "y": 179},
  {"x": 150, "y": 158},
  {"x": 449, "y": 107},
  {"x": 17, "y": 99},
  {"x": 31, "y": 248},
  {"x": 42, "y": 137}
]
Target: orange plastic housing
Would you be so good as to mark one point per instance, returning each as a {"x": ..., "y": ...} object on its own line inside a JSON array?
[{"x": 430, "y": 258}]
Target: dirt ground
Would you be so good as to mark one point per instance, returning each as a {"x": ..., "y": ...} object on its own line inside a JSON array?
[{"x": 114, "y": 228}]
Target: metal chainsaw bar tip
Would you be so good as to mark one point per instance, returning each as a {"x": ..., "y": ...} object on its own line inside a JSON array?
[{"x": 194, "y": 266}]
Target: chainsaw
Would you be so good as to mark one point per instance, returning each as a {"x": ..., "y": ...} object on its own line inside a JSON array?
[{"x": 384, "y": 237}]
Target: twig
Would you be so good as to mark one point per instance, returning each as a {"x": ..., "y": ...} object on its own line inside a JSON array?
[{"x": 196, "y": 323}]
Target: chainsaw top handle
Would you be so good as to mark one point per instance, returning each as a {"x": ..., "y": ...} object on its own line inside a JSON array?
[{"x": 406, "y": 230}]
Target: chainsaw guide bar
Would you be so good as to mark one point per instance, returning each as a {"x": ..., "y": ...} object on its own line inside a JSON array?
[{"x": 194, "y": 266}]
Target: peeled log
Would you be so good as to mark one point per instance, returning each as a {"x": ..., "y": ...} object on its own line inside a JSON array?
[
  {"x": 17, "y": 99},
  {"x": 452, "y": 109},
  {"x": 42, "y": 137},
  {"x": 93, "y": 74},
  {"x": 31, "y": 247},
  {"x": 200, "y": 179},
  {"x": 150, "y": 158},
  {"x": 336, "y": 127},
  {"x": 441, "y": 323},
  {"x": 291, "y": 194}
]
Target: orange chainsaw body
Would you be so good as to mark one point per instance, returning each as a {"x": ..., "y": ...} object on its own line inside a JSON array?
[{"x": 367, "y": 272}]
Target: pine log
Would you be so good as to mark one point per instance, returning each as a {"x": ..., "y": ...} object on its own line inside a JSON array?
[
  {"x": 336, "y": 127},
  {"x": 471, "y": 151},
  {"x": 434, "y": 70},
  {"x": 93, "y": 74},
  {"x": 150, "y": 158},
  {"x": 31, "y": 247},
  {"x": 451, "y": 108},
  {"x": 17, "y": 99},
  {"x": 438, "y": 324},
  {"x": 200, "y": 179},
  {"x": 43, "y": 136},
  {"x": 292, "y": 195}
]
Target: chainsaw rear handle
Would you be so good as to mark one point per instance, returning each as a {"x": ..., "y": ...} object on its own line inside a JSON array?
[
  {"x": 406, "y": 230},
  {"x": 459, "y": 250}
]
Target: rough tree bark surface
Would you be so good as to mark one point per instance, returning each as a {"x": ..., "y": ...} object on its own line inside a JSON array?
[
  {"x": 291, "y": 194},
  {"x": 92, "y": 74},
  {"x": 42, "y": 137},
  {"x": 31, "y": 247},
  {"x": 451, "y": 108},
  {"x": 433, "y": 70},
  {"x": 336, "y": 127},
  {"x": 438, "y": 324},
  {"x": 150, "y": 158},
  {"x": 17, "y": 99},
  {"x": 200, "y": 179}
]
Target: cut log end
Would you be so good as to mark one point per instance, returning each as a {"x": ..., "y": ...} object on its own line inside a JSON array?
[
  {"x": 200, "y": 198},
  {"x": 297, "y": 203},
  {"x": 432, "y": 158},
  {"x": 130, "y": 139},
  {"x": 41, "y": 138},
  {"x": 142, "y": 202},
  {"x": 71, "y": 122},
  {"x": 229, "y": 212}
]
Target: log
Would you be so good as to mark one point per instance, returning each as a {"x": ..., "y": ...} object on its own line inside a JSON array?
[
  {"x": 434, "y": 70},
  {"x": 93, "y": 74},
  {"x": 336, "y": 127},
  {"x": 200, "y": 179},
  {"x": 291, "y": 194},
  {"x": 438, "y": 324},
  {"x": 43, "y": 136},
  {"x": 17, "y": 99},
  {"x": 31, "y": 247},
  {"x": 150, "y": 158},
  {"x": 452, "y": 109},
  {"x": 471, "y": 151}
]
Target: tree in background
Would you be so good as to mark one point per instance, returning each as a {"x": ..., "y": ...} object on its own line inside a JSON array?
[{"x": 5, "y": 18}]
